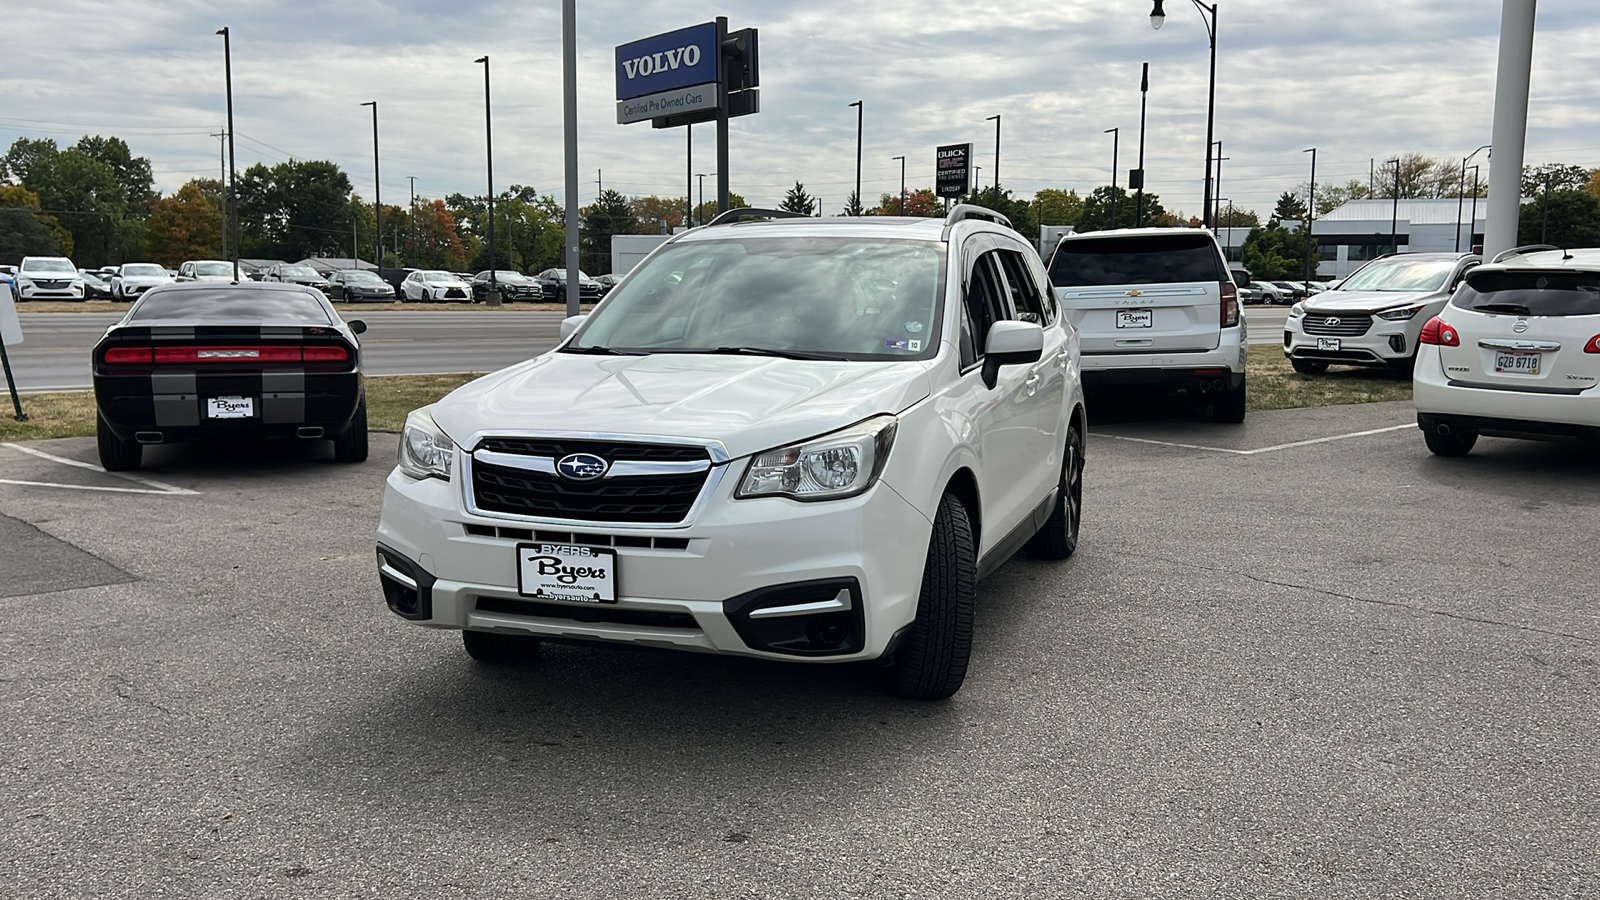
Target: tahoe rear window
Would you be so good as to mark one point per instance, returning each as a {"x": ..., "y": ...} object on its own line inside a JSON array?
[
  {"x": 1531, "y": 293},
  {"x": 1157, "y": 259},
  {"x": 230, "y": 305}
]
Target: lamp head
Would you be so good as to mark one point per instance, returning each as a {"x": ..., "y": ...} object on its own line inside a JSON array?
[
  {"x": 482, "y": 59},
  {"x": 223, "y": 30},
  {"x": 1158, "y": 16}
]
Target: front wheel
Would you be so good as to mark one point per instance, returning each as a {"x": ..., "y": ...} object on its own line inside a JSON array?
[
  {"x": 1455, "y": 443},
  {"x": 931, "y": 662},
  {"x": 1230, "y": 405},
  {"x": 1309, "y": 366},
  {"x": 1059, "y": 536}
]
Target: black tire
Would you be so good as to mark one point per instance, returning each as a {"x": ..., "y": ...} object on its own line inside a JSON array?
[
  {"x": 116, "y": 454},
  {"x": 1059, "y": 536},
  {"x": 1456, "y": 443},
  {"x": 1229, "y": 406},
  {"x": 1309, "y": 366},
  {"x": 352, "y": 445},
  {"x": 495, "y": 649},
  {"x": 931, "y": 661}
]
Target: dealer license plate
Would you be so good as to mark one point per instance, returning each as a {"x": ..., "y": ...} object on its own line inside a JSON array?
[
  {"x": 1135, "y": 318},
  {"x": 1517, "y": 362},
  {"x": 567, "y": 572},
  {"x": 230, "y": 407},
  {"x": 1327, "y": 343}
]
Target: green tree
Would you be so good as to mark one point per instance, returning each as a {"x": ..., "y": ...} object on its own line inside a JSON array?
[
  {"x": 707, "y": 211},
  {"x": 1290, "y": 208},
  {"x": 1097, "y": 209},
  {"x": 1021, "y": 213},
  {"x": 17, "y": 196},
  {"x": 23, "y": 155},
  {"x": 294, "y": 210},
  {"x": 798, "y": 201},
  {"x": 609, "y": 215},
  {"x": 22, "y": 234},
  {"x": 85, "y": 195},
  {"x": 1276, "y": 252},
  {"x": 1231, "y": 217},
  {"x": 1560, "y": 177},
  {"x": 132, "y": 172},
  {"x": 1332, "y": 196},
  {"x": 852, "y": 206},
  {"x": 185, "y": 225},
  {"x": 1573, "y": 220},
  {"x": 1058, "y": 207}
]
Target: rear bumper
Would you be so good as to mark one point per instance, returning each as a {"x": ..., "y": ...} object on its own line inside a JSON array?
[
  {"x": 1488, "y": 409},
  {"x": 134, "y": 404},
  {"x": 1171, "y": 370}
]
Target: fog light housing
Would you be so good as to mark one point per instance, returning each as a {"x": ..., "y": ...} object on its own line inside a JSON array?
[{"x": 808, "y": 618}]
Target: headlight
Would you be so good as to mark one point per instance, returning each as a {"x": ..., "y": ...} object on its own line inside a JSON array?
[
  {"x": 425, "y": 451},
  {"x": 1297, "y": 310},
  {"x": 842, "y": 464},
  {"x": 1404, "y": 312}
]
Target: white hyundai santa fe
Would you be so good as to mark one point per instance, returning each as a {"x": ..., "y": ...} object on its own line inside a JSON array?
[
  {"x": 1516, "y": 353},
  {"x": 789, "y": 438}
]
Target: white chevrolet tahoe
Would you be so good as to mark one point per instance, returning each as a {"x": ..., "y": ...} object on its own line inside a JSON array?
[
  {"x": 1157, "y": 310},
  {"x": 791, "y": 438}
]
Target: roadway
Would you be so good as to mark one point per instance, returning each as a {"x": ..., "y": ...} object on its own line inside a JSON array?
[{"x": 54, "y": 355}]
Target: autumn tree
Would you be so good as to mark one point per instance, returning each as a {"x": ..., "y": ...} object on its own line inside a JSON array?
[
  {"x": 1230, "y": 217},
  {"x": 920, "y": 203},
  {"x": 650, "y": 212},
  {"x": 438, "y": 244},
  {"x": 185, "y": 225}
]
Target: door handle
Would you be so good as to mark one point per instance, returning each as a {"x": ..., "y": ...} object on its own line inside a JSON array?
[{"x": 1032, "y": 384}]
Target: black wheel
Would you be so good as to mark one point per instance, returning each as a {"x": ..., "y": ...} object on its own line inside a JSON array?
[
  {"x": 1059, "y": 536},
  {"x": 352, "y": 445},
  {"x": 1456, "y": 443},
  {"x": 495, "y": 649},
  {"x": 1229, "y": 406},
  {"x": 1309, "y": 366},
  {"x": 931, "y": 662},
  {"x": 116, "y": 454}
]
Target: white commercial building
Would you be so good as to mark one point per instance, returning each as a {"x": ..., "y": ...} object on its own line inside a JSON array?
[{"x": 1367, "y": 229}]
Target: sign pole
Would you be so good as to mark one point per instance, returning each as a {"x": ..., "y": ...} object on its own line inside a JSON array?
[
  {"x": 10, "y": 332},
  {"x": 722, "y": 118}
]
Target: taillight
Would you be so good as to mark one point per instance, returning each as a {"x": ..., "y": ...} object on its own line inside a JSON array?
[
  {"x": 201, "y": 354},
  {"x": 1441, "y": 335},
  {"x": 1230, "y": 305},
  {"x": 123, "y": 356},
  {"x": 1593, "y": 346},
  {"x": 330, "y": 353}
]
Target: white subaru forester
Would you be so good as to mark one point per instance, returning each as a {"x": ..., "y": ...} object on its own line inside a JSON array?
[{"x": 791, "y": 438}]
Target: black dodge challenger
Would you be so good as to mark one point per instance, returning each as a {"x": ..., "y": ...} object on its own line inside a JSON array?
[{"x": 215, "y": 361}]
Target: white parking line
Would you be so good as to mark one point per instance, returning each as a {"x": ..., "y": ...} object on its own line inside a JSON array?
[
  {"x": 1259, "y": 450},
  {"x": 152, "y": 486}
]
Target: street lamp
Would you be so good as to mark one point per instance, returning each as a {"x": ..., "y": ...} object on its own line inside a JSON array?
[
  {"x": 411, "y": 257},
  {"x": 702, "y": 177},
  {"x": 996, "y": 120},
  {"x": 1157, "y": 17},
  {"x": 377, "y": 190},
  {"x": 1394, "y": 221},
  {"x": 860, "y": 111},
  {"x": 1462, "y": 189},
  {"x": 233, "y": 170},
  {"x": 1144, "y": 97},
  {"x": 902, "y": 183},
  {"x": 1116, "y": 136},
  {"x": 492, "y": 296},
  {"x": 1311, "y": 210}
]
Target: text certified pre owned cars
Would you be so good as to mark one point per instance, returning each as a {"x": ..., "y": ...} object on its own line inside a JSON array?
[
  {"x": 798, "y": 439},
  {"x": 1515, "y": 353},
  {"x": 1156, "y": 308},
  {"x": 1376, "y": 315},
  {"x": 204, "y": 361}
]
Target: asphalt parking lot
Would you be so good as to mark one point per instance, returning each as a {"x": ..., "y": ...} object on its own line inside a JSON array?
[{"x": 1298, "y": 657}]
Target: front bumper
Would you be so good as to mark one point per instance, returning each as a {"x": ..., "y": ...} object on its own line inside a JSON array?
[
  {"x": 686, "y": 587},
  {"x": 35, "y": 292},
  {"x": 1387, "y": 342}
]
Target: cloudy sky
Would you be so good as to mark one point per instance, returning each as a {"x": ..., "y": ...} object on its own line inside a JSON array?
[{"x": 1358, "y": 79}]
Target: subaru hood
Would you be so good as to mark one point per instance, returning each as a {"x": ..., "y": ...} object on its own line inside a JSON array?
[
  {"x": 1365, "y": 301},
  {"x": 748, "y": 403}
]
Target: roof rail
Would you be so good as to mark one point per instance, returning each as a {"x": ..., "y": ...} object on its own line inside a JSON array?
[
  {"x": 963, "y": 211},
  {"x": 1530, "y": 248},
  {"x": 734, "y": 215}
]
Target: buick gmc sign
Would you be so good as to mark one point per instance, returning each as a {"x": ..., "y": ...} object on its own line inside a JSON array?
[{"x": 668, "y": 62}]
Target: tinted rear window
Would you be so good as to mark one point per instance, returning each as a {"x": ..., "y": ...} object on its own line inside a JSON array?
[
  {"x": 1156, "y": 259},
  {"x": 1531, "y": 293},
  {"x": 232, "y": 305}
]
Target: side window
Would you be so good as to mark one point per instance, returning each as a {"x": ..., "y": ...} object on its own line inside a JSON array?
[
  {"x": 1024, "y": 290},
  {"x": 985, "y": 300}
]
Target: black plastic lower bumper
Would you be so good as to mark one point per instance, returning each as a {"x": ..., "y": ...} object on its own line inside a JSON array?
[{"x": 1513, "y": 427}]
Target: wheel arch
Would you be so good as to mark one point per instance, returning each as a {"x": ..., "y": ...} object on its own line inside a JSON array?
[{"x": 964, "y": 486}]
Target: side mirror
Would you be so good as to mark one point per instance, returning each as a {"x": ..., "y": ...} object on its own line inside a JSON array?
[
  {"x": 570, "y": 324},
  {"x": 358, "y": 326},
  {"x": 1010, "y": 343}
]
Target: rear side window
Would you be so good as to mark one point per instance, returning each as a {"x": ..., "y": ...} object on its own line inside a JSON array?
[
  {"x": 230, "y": 305},
  {"x": 1531, "y": 293},
  {"x": 1156, "y": 259}
]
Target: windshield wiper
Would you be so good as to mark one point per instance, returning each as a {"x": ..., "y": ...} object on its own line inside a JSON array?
[
  {"x": 781, "y": 354},
  {"x": 1516, "y": 309},
  {"x": 600, "y": 351}
]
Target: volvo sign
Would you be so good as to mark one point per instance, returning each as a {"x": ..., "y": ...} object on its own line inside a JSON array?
[{"x": 668, "y": 62}]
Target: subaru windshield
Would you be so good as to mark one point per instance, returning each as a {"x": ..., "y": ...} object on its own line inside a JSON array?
[{"x": 843, "y": 298}]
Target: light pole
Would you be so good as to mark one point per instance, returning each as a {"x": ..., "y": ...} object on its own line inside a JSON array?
[
  {"x": 702, "y": 207},
  {"x": 1116, "y": 136},
  {"x": 1216, "y": 204},
  {"x": 1144, "y": 96},
  {"x": 1510, "y": 131},
  {"x": 492, "y": 296},
  {"x": 377, "y": 190},
  {"x": 1311, "y": 212},
  {"x": 233, "y": 170},
  {"x": 1157, "y": 17},
  {"x": 902, "y": 183},
  {"x": 996, "y": 120},
  {"x": 860, "y": 112},
  {"x": 1472, "y": 226},
  {"x": 411, "y": 257},
  {"x": 1394, "y": 220}
]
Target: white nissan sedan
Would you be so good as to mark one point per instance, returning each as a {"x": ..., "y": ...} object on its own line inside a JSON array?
[
  {"x": 1516, "y": 353},
  {"x": 795, "y": 439}
]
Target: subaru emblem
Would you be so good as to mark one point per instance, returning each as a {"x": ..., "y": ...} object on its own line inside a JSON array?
[
  {"x": 581, "y": 466},
  {"x": 1520, "y": 327}
]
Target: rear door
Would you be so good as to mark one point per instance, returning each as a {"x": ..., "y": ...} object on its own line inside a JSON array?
[
  {"x": 1141, "y": 293},
  {"x": 1526, "y": 331}
]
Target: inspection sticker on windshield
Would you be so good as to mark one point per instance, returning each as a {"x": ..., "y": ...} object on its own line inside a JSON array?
[
  {"x": 566, "y": 572},
  {"x": 902, "y": 344},
  {"x": 1135, "y": 318}
]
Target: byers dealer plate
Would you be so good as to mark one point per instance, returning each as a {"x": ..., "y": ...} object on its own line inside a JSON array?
[{"x": 567, "y": 572}]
